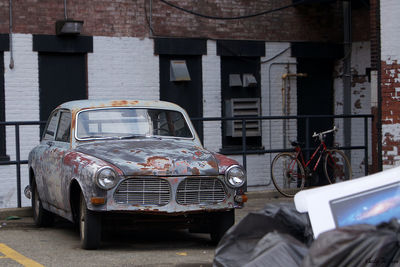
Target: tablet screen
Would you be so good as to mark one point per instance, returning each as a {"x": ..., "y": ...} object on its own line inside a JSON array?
[{"x": 372, "y": 206}]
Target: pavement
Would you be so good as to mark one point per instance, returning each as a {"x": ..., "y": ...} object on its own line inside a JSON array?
[{"x": 22, "y": 217}]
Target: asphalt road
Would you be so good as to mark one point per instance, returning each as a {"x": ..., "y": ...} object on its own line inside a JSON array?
[{"x": 22, "y": 243}]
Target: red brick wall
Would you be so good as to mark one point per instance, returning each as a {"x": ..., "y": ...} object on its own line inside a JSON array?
[
  {"x": 390, "y": 110},
  {"x": 317, "y": 22},
  {"x": 391, "y": 99}
]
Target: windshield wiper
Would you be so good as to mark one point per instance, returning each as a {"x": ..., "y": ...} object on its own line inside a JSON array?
[
  {"x": 100, "y": 136},
  {"x": 133, "y": 136}
]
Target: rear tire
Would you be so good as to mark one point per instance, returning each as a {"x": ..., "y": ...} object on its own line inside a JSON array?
[
  {"x": 337, "y": 166},
  {"x": 220, "y": 223},
  {"x": 41, "y": 216},
  {"x": 89, "y": 226},
  {"x": 287, "y": 174}
]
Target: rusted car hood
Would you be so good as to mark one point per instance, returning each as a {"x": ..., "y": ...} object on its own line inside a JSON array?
[{"x": 165, "y": 157}]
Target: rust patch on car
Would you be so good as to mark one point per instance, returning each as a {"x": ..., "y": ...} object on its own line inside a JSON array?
[
  {"x": 195, "y": 171},
  {"x": 213, "y": 164},
  {"x": 157, "y": 162}
]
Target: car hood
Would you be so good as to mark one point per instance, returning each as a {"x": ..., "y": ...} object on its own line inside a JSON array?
[{"x": 160, "y": 157}]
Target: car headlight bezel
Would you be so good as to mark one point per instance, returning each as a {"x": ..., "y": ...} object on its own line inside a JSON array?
[
  {"x": 106, "y": 178},
  {"x": 232, "y": 179}
]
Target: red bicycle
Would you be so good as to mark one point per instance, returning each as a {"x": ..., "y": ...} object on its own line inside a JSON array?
[{"x": 289, "y": 170}]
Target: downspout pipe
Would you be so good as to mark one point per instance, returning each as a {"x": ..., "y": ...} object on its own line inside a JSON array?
[
  {"x": 65, "y": 10},
  {"x": 285, "y": 79},
  {"x": 347, "y": 74},
  {"x": 379, "y": 115},
  {"x": 11, "y": 37}
]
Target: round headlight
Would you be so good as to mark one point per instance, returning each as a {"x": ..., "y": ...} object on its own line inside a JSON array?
[
  {"x": 235, "y": 176},
  {"x": 106, "y": 178}
]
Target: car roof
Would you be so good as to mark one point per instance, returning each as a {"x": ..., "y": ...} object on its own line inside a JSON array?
[{"x": 88, "y": 104}]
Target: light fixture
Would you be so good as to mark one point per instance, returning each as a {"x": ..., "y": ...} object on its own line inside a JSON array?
[
  {"x": 68, "y": 27},
  {"x": 235, "y": 80},
  {"x": 249, "y": 80},
  {"x": 178, "y": 71}
]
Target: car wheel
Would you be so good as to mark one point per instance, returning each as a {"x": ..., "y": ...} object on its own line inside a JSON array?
[
  {"x": 89, "y": 226},
  {"x": 41, "y": 216},
  {"x": 220, "y": 223}
]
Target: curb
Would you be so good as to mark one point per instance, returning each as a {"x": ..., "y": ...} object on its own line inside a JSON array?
[{"x": 19, "y": 212}]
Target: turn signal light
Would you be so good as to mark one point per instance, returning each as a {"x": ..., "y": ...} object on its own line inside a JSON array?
[
  {"x": 241, "y": 198},
  {"x": 98, "y": 200}
]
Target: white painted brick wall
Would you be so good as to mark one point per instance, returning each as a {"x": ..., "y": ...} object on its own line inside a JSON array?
[
  {"x": 123, "y": 68},
  {"x": 272, "y": 69},
  {"x": 212, "y": 97},
  {"x": 127, "y": 68},
  {"x": 21, "y": 104},
  {"x": 390, "y": 37},
  {"x": 360, "y": 103}
]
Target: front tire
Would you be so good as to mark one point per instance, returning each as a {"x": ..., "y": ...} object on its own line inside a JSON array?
[
  {"x": 41, "y": 216},
  {"x": 287, "y": 174},
  {"x": 89, "y": 226},
  {"x": 337, "y": 166}
]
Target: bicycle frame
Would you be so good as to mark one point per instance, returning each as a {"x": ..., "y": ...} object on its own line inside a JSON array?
[{"x": 299, "y": 154}]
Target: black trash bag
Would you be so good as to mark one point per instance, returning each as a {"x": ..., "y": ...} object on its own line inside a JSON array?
[
  {"x": 356, "y": 245},
  {"x": 278, "y": 232}
]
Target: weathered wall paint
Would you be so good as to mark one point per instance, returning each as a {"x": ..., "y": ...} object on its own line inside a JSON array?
[{"x": 390, "y": 83}]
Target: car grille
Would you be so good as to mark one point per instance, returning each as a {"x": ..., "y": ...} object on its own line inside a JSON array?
[
  {"x": 143, "y": 191},
  {"x": 200, "y": 191}
]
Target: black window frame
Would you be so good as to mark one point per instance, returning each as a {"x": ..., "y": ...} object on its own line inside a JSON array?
[{"x": 4, "y": 46}]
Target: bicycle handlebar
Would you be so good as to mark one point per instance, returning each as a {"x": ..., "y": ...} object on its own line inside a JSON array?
[{"x": 334, "y": 129}]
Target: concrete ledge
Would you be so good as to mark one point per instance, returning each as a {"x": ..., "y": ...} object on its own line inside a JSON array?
[{"x": 20, "y": 212}]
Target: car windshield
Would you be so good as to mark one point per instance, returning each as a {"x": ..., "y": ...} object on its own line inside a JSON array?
[{"x": 131, "y": 123}]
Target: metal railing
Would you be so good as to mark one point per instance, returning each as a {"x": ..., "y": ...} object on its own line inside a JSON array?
[
  {"x": 243, "y": 151},
  {"x": 17, "y": 162},
  {"x": 307, "y": 119}
]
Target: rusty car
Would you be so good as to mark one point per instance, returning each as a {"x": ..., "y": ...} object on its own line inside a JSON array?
[{"x": 103, "y": 159}]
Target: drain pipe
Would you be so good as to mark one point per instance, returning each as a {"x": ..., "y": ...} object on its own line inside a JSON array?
[
  {"x": 65, "y": 10},
  {"x": 11, "y": 37},
  {"x": 285, "y": 97},
  {"x": 347, "y": 75}
]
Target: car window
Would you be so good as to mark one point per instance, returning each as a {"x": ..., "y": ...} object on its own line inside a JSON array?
[
  {"x": 51, "y": 127},
  {"x": 64, "y": 127},
  {"x": 125, "y": 122}
]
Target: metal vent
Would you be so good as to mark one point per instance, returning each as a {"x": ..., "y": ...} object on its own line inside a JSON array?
[
  {"x": 239, "y": 107},
  {"x": 200, "y": 190},
  {"x": 143, "y": 191}
]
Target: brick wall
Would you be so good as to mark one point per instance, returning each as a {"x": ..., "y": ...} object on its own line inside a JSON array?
[
  {"x": 132, "y": 70},
  {"x": 390, "y": 82},
  {"x": 316, "y": 22},
  {"x": 22, "y": 104}
]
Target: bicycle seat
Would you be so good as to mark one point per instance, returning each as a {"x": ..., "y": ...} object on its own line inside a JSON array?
[{"x": 295, "y": 143}]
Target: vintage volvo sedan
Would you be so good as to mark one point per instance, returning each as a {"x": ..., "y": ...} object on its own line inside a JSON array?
[{"x": 100, "y": 160}]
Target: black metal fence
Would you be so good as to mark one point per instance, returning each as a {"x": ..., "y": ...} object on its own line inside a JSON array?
[{"x": 243, "y": 151}]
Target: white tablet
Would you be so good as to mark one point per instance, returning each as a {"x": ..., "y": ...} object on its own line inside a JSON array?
[{"x": 372, "y": 199}]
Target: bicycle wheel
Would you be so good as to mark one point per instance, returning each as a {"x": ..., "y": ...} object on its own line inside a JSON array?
[
  {"x": 337, "y": 166},
  {"x": 287, "y": 174}
]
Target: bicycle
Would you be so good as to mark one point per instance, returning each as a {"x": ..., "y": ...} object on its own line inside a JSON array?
[{"x": 289, "y": 170}]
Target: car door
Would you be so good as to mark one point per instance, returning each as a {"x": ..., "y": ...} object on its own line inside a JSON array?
[
  {"x": 43, "y": 164},
  {"x": 57, "y": 173}
]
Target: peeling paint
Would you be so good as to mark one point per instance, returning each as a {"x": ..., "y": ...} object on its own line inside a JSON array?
[{"x": 170, "y": 159}]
